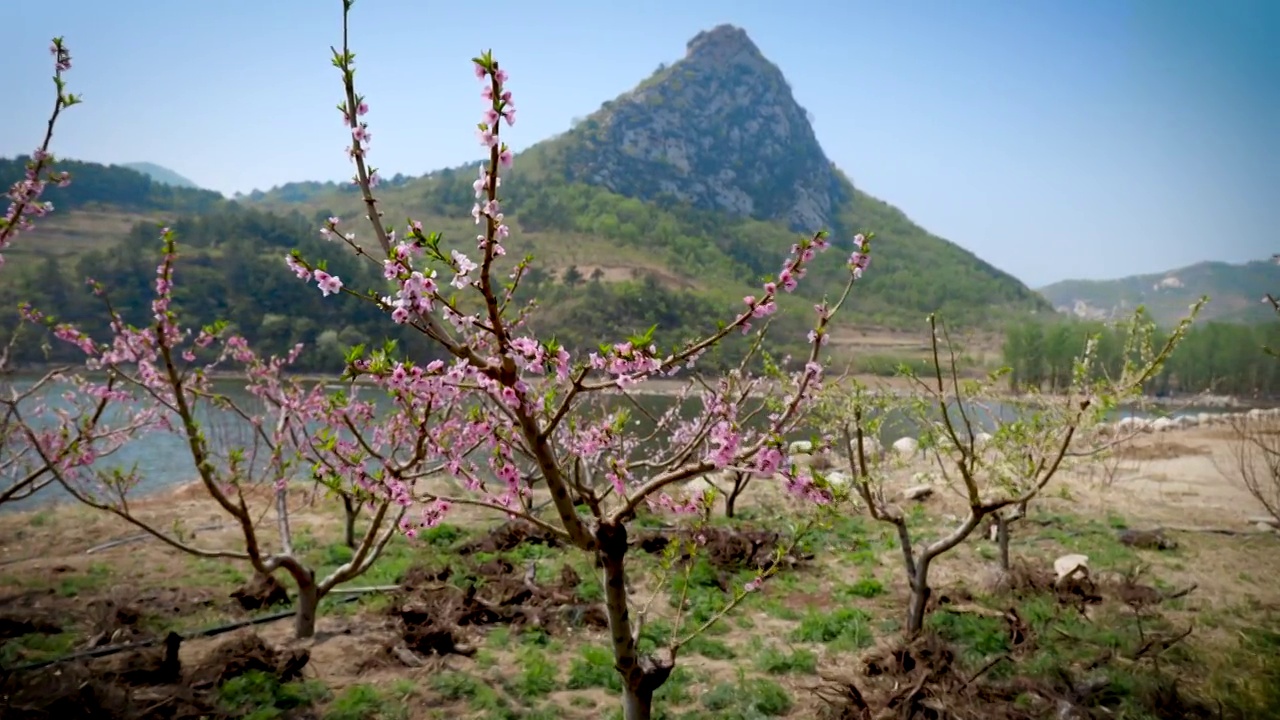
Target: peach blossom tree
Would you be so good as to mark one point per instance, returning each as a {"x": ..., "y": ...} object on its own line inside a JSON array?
[{"x": 528, "y": 425}]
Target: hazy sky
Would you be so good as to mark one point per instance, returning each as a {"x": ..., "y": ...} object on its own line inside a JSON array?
[{"x": 1077, "y": 138}]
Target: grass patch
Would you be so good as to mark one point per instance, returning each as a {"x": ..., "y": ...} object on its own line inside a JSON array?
[
  {"x": 538, "y": 676},
  {"x": 366, "y": 702},
  {"x": 36, "y": 647},
  {"x": 593, "y": 668},
  {"x": 843, "y": 629},
  {"x": 94, "y": 578},
  {"x": 745, "y": 699},
  {"x": 776, "y": 661},
  {"x": 257, "y": 695}
]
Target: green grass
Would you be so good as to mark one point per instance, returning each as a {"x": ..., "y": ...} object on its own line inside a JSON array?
[
  {"x": 593, "y": 668},
  {"x": 843, "y": 628},
  {"x": 776, "y": 661},
  {"x": 257, "y": 695},
  {"x": 538, "y": 675},
  {"x": 752, "y": 663},
  {"x": 367, "y": 702},
  {"x": 746, "y": 700},
  {"x": 97, "y": 576},
  {"x": 36, "y": 647}
]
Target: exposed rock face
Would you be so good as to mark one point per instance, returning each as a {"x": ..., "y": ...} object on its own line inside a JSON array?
[{"x": 719, "y": 130}]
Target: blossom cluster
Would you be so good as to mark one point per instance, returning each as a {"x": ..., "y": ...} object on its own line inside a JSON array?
[{"x": 24, "y": 195}]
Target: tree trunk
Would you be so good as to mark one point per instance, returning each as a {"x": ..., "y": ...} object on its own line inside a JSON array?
[
  {"x": 352, "y": 510},
  {"x": 304, "y": 623},
  {"x": 919, "y": 599},
  {"x": 731, "y": 500},
  {"x": 637, "y": 704},
  {"x": 641, "y": 675},
  {"x": 1002, "y": 540}
]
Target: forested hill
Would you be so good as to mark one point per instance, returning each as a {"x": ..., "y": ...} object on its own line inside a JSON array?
[
  {"x": 1236, "y": 293},
  {"x": 232, "y": 267},
  {"x": 657, "y": 182}
]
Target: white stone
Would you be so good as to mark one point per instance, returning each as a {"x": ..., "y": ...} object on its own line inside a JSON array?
[
  {"x": 1068, "y": 566},
  {"x": 800, "y": 447},
  {"x": 838, "y": 479},
  {"x": 917, "y": 492}
]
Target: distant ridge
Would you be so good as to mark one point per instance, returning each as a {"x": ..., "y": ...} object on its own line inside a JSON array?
[
  {"x": 162, "y": 174},
  {"x": 1235, "y": 291}
]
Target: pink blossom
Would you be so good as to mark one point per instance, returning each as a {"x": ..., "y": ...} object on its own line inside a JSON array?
[
  {"x": 298, "y": 268},
  {"x": 329, "y": 284}
]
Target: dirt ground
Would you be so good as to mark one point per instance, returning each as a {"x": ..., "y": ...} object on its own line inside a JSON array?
[
  {"x": 1182, "y": 479},
  {"x": 505, "y": 624}
]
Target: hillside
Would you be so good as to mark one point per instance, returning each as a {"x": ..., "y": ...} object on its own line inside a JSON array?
[
  {"x": 625, "y": 234},
  {"x": 657, "y": 183},
  {"x": 1236, "y": 293},
  {"x": 161, "y": 174}
]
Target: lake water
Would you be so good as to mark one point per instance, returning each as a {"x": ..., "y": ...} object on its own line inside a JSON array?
[{"x": 163, "y": 459}]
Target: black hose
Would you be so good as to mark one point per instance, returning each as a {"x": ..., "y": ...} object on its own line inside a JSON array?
[{"x": 207, "y": 632}]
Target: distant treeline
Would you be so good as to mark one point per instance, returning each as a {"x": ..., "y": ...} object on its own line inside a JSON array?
[
  {"x": 113, "y": 186},
  {"x": 231, "y": 267},
  {"x": 1221, "y": 358}
]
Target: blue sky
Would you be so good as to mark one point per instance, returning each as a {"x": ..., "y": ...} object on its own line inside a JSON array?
[{"x": 1081, "y": 138}]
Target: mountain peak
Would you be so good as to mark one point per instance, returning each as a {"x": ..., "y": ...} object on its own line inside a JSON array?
[
  {"x": 719, "y": 129},
  {"x": 722, "y": 44}
]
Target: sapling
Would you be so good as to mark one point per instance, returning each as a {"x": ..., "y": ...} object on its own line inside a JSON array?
[
  {"x": 1255, "y": 462},
  {"x": 995, "y": 472},
  {"x": 527, "y": 399},
  {"x": 1255, "y": 449},
  {"x": 160, "y": 378}
]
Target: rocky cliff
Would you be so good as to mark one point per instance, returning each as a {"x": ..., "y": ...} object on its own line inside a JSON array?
[{"x": 718, "y": 129}]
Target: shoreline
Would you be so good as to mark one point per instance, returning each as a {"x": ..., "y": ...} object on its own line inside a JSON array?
[
  {"x": 671, "y": 387},
  {"x": 1173, "y": 427}
]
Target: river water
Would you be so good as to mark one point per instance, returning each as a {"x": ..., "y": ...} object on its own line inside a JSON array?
[{"x": 162, "y": 459}]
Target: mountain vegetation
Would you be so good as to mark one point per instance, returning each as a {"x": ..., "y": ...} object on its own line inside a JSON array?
[{"x": 1235, "y": 291}]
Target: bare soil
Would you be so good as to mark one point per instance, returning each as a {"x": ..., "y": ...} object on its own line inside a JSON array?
[{"x": 471, "y": 610}]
